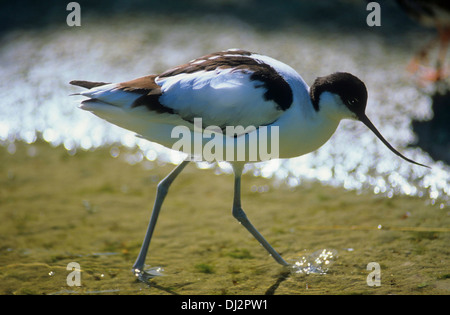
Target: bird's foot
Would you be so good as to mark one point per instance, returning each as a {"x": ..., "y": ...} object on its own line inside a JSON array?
[{"x": 147, "y": 274}]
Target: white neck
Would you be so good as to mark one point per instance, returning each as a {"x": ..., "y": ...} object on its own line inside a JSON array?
[{"x": 305, "y": 129}]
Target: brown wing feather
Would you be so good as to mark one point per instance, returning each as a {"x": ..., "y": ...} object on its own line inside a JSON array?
[
  {"x": 150, "y": 93},
  {"x": 145, "y": 85}
]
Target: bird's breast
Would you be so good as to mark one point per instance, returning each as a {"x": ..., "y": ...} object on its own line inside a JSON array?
[{"x": 302, "y": 133}]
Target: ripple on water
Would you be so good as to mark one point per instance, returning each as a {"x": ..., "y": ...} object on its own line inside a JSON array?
[{"x": 317, "y": 263}]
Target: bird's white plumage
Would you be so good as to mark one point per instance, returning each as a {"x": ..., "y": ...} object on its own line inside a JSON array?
[
  {"x": 221, "y": 97},
  {"x": 111, "y": 95}
]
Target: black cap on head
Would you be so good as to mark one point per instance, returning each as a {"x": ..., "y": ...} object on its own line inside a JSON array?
[{"x": 352, "y": 91}]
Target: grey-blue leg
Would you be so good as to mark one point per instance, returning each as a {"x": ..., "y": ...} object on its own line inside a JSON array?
[
  {"x": 240, "y": 215},
  {"x": 161, "y": 192}
]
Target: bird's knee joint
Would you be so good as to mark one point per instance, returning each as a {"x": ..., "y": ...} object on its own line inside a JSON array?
[
  {"x": 239, "y": 214},
  {"x": 162, "y": 188}
]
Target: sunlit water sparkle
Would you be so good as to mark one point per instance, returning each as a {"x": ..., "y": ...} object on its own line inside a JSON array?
[
  {"x": 317, "y": 263},
  {"x": 37, "y": 66}
]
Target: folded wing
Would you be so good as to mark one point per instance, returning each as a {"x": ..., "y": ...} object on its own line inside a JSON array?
[{"x": 230, "y": 88}]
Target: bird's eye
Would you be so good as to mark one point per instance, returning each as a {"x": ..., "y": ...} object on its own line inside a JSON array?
[{"x": 352, "y": 101}]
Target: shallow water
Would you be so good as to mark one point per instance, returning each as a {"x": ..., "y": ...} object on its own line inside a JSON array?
[
  {"x": 92, "y": 210},
  {"x": 39, "y": 64}
]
